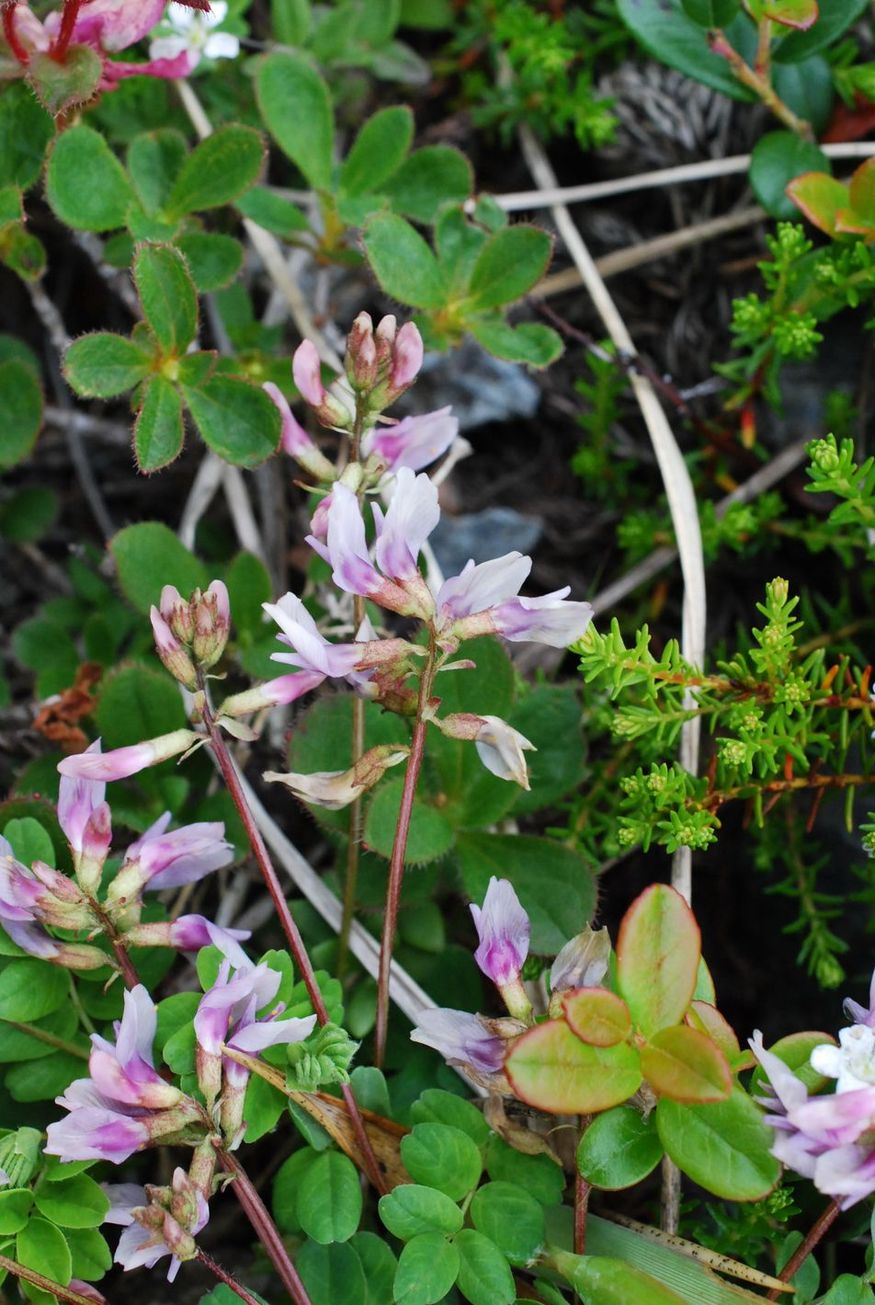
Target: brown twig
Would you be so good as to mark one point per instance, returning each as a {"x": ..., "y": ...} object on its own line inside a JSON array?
[
  {"x": 224, "y": 1276},
  {"x": 820, "y": 1226},
  {"x": 268, "y": 1234},
  {"x": 46, "y": 1284}
]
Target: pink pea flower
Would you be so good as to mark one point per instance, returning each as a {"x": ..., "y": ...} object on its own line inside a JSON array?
[
  {"x": 307, "y": 371},
  {"x": 31, "y": 898},
  {"x": 406, "y": 358},
  {"x": 123, "y": 1072},
  {"x": 503, "y": 929},
  {"x": 78, "y": 800},
  {"x": 180, "y": 856},
  {"x": 414, "y": 442},
  {"x": 189, "y": 933},
  {"x": 461, "y": 1038},
  {"x": 122, "y": 762},
  {"x": 483, "y": 599},
  {"x": 152, "y": 1232},
  {"x": 311, "y": 650},
  {"x": 294, "y": 439}
]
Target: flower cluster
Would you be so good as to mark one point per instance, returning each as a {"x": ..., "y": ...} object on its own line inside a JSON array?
[{"x": 828, "y": 1138}]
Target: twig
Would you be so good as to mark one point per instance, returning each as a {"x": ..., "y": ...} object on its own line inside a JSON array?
[
  {"x": 207, "y": 480},
  {"x": 46, "y": 1284},
  {"x": 804, "y": 1249},
  {"x": 268, "y": 1234},
  {"x": 706, "y": 170},
  {"x": 50, "y": 1039},
  {"x": 224, "y": 1276}
]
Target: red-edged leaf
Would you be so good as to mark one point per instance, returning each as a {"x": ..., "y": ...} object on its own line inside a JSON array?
[
  {"x": 819, "y": 197},
  {"x": 800, "y": 14},
  {"x": 657, "y": 958},
  {"x": 551, "y": 1069},
  {"x": 862, "y": 191},
  {"x": 598, "y": 1016},
  {"x": 686, "y": 1065},
  {"x": 850, "y": 223},
  {"x": 707, "y": 1019}
]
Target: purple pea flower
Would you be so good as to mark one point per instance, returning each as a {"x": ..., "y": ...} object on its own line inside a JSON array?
[
  {"x": 483, "y": 599},
  {"x": 180, "y": 856},
  {"x": 32, "y": 898},
  {"x": 294, "y": 439},
  {"x": 503, "y": 929},
  {"x": 461, "y": 1038},
  {"x": 78, "y": 800},
  {"x": 188, "y": 933},
  {"x": 414, "y": 442},
  {"x": 150, "y": 1231},
  {"x": 122, "y": 762},
  {"x": 312, "y": 653}
]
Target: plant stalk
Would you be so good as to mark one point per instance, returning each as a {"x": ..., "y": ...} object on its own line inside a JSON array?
[
  {"x": 268, "y": 1234},
  {"x": 399, "y": 849},
  {"x": 42, "y": 1035},
  {"x": 65, "y": 33},
  {"x": 11, "y": 35},
  {"x": 224, "y": 1276},
  {"x": 41, "y": 1281},
  {"x": 817, "y": 1230},
  {"x": 761, "y": 86}
]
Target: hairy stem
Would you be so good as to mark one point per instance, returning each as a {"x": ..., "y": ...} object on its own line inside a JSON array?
[
  {"x": 46, "y": 1284},
  {"x": 224, "y": 1276},
  {"x": 290, "y": 928},
  {"x": 396, "y": 863},
  {"x": 268, "y": 1234},
  {"x": 820, "y": 1226}
]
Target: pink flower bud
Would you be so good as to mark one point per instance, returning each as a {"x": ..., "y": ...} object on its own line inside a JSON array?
[
  {"x": 177, "y": 613},
  {"x": 361, "y": 354},
  {"x": 307, "y": 371},
  {"x": 334, "y": 789},
  {"x": 212, "y": 623},
  {"x": 295, "y": 440},
  {"x": 122, "y": 762},
  {"x": 406, "y": 358},
  {"x": 171, "y": 651},
  {"x": 384, "y": 338}
]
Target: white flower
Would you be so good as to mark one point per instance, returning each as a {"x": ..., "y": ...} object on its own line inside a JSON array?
[
  {"x": 189, "y": 31},
  {"x": 852, "y": 1063}
]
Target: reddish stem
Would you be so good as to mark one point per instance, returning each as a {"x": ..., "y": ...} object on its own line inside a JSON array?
[
  {"x": 820, "y": 1226},
  {"x": 11, "y": 35},
  {"x": 268, "y": 1233},
  {"x": 582, "y": 1190},
  {"x": 224, "y": 1276},
  {"x": 293, "y": 935},
  {"x": 396, "y": 864},
  {"x": 65, "y": 33}
]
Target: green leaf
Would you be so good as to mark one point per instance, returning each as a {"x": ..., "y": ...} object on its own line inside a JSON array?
[
  {"x": 11, "y": 209},
  {"x": 249, "y": 585},
  {"x": 725, "y": 1147},
  {"x": 149, "y": 555},
  {"x": 402, "y": 262},
  {"x": 379, "y": 1266},
  {"x": 430, "y": 177},
  {"x": 619, "y": 1148},
  {"x": 669, "y": 35},
  {"x": 438, "y": 1107},
  {"x": 508, "y": 265},
  {"x": 213, "y": 260},
  {"x": 289, "y": 1177},
  {"x": 484, "y": 1275},
  {"x": 800, "y": 14},
  {"x": 137, "y": 703},
  {"x": 333, "y": 1275},
  {"x": 807, "y": 88},
  {"x": 604, "y": 1281},
  {"x": 218, "y": 171},
  {"x": 23, "y": 253},
  {"x": 684, "y": 1064},
  {"x": 431, "y": 835},
  {"x": 262, "y": 1108},
  {"x": 597, "y": 1016},
  {"x": 550, "y": 717},
  {"x": 820, "y": 198},
  {"x": 658, "y": 951},
  {"x": 60, "y": 84},
  {"x": 411, "y": 1209},
  {"x": 530, "y": 342},
  {"x": 296, "y": 108},
  {"x": 711, "y": 13},
  {"x": 15, "y": 1206},
  {"x": 553, "y": 882},
  {"x": 540, "y": 1176},
  {"x": 30, "y": 989},
  {"x": 443, "y": 1157},
  {"x": 16, "y": 1047},
  {"x": 427, "y": 1268},
  {"x": 21, "y": 402},
  {"x": 78, "y": 1202},
  {"x": 511, "y": 1218},
  {"x": 25, "y": 131},
  {"x": 92, "y": 1258},
  {"x": 273, "y": 212},
  {"x": 158, "y": 430},
  {"x": 168, "y": 296},
  {"x": 291, "y": 21},
  {"x": 236, "y": 419},
  {"x": 42, "y": 1247},
  {"x": 330, "y": 1198},
  {"x": 835, "y": 17},
  {"x": 100, "y": 205},
  {"x": 551, "y": 1069},
  {"x": 378, "y": 150},
  {"x": 30, "y": 841},
  {"x": 103, "y": 365},
  {"x": 778, "y": 158},
  {"x": 29, "y": 514},
  {"x": 154, "y": 161}
]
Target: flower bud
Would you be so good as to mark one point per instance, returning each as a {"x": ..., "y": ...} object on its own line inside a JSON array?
[
  {"x": 361, "y": 354},
  {"x": 212, "y": 623},
  {"x": 171, "y": 651},
  {"x": 295, "y": 440},
  {"x": 406, "y": 358},
  {"x": 307, "y": 371},
  {"x": 96, "y": 838},
  {"x": 334, "y": 789},
  {"x": 177, "y": 613},
  {"x": 384, "y": 339},
  {"x": 122, "y": 762}
]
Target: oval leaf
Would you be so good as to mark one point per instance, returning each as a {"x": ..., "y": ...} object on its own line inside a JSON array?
[
  {"x": 508, "y": 266},
  {"x": 218, "y": 171},
  {"x": 402, "y": 262},
  {"x": 684, "y": 1064},
  {"x": 707, "y": 1019},
  {"x": 237, "y": 420},
  {"x": 103, "y": 365},
  {"x": 168, "y": 296},
  {"x": 330, "y": 1198},
  {"x": 158, "y": 429},
  {"x": 657, "y": 958},
  {"x": 551, "y": 1069},
  {"x": 778, "y": 158},
  {"x": 820, "y": 198},
  {"x": 99, "y": 205},
  {"x": 724, "y": 1147},
  {"x": 597, "y": 1016},
  {"x": 619, "y": 1149},
  {"x": 21, "y": 402},
  {"x": 378, "y": 150},
  {"x": 296, "y": 109}
]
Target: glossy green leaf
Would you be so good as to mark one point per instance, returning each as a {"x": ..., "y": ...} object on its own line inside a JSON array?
[
  {"x": 333, "y": 1275},
  {"x": 551, "y": 1069},
  {"x": 834, "y": 18},
  {"x": 286, "y": 1185},
  {"x": 378, "y": 150},
  {"x": 296, "y": 108},
  {"x": 436, "y": 1106},
  {"x": 30, "y": 841},
  {"x": 597, "y": 1016},
  {"x": 77, "y": 1202},
  {"x": 684, "y": 1064},
  {"x": 17, "y": 1047},
  {"x": 103, "y": 365},
  {"x": 820, "y": 198},
  {"x": 25, "y": 131},
  {"x": 262, "y": 1108},
  {"x": 430, "y": 177},
  {"x": 795, "y": 1051},
  {"x": 21, "y": 402},
  {"x": 531, "y": 343},
  {"x": 511, "y": 1218},
  {"x": 15, "y": 1206},
  {"x": 235, "y": 419},
  {"x": 658, "y": 950},
  {"x": 711, "y": 13},
  {"x": 443, "y": 1157},
  {"x": 30, "y": 989},
  {"x": 48, "y": 1077},
  {"x": 42, "y": 1247},
  {"x": 90, "y": 1253},
  {"x": 539, "y": 1175},
  {"x": 168, "y": 296},
  {"x": 379, "y": 1265},
  {"x": 412, "y": 1208},
  {"x": 149, "y": 555},
  {"x": 402, "y": 262},
  {"x": 725, "y": 1147},
  {"x": 330, "y": 1198},
  {"x": 707, "y": 1019},
  {"x": 484, "y": 1274},
  {"x": 154, "y": 160},
  {"x": 778, "y": 158},
  {"x": 102, "y": 204},
  {"x": 619, "y": 1148},
  {"x": 218, "y": 171},
  {"x": 508, "y": 266},
  {"x": 800, "y": 14},
  {"x": 427, "y": 1268},
  {"x": 807, "y": 88},
  {"x": 158, "y": 430},
  {"x": 668, "y": 34}
]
